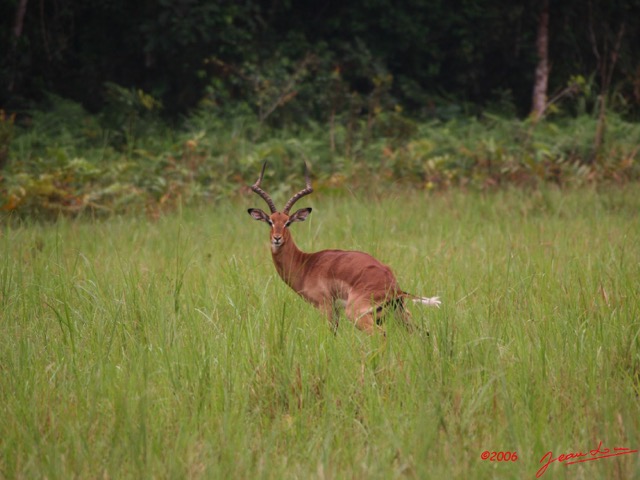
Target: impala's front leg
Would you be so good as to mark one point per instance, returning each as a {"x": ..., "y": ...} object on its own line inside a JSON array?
[{"x": 330, "y": 310}]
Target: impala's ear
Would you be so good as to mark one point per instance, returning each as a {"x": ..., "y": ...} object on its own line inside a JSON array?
[
  {"x": 258, "y": 214},
  {"x": 300, "y": 216}
]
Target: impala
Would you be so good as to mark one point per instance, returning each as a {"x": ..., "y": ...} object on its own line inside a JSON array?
[{"x": 330, "y": 279}]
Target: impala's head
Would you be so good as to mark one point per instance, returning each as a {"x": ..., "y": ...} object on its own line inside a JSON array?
[{"x": 280, "y": 221}]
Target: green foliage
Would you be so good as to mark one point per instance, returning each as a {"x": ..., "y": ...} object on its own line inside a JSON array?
[
  {"x": 129, "y": 114},
  {"x": 72, "y": 163},
  {"x": 184, "y": 52}
]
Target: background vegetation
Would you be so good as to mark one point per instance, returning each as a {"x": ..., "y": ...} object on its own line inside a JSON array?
[
  {"x": 112, "y": 106},
  {"x": 65, "y": 164},
  {"x": 304, "y": 60}
]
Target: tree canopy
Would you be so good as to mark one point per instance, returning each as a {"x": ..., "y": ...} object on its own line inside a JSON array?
[{"x": 310, "y": 58}]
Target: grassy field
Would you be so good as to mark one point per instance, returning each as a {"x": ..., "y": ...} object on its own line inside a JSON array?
[{"x": 170, "y": 349}]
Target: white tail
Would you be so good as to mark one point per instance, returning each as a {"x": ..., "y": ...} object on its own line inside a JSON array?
[
  {"x": 332, "y": 278},
  {"x": 431, "y": 301}
]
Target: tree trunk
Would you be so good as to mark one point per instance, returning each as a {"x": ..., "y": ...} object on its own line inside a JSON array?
[
  {"x": 18, "y": 25},
  {"x": 19, "y": 20},
  {"x": 539, "y": 100},
  {"x": 607, "y": 64}
]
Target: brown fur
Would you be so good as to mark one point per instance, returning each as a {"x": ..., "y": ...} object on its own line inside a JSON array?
[{"x": 329, "y": 278}]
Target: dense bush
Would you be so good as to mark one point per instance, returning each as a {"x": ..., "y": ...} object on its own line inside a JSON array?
[{"x": 66, "y": 161}]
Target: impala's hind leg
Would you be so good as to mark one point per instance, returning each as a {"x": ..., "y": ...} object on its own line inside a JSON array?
[
  {"x": 405, "y": 316},
  {"x": 364, "y": 316},
  {"x": 367, "y": 324}
]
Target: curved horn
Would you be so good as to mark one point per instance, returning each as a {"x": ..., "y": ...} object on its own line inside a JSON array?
[
  {"x": 306, "y": 191},
  {"x": 265, "y": 196}
]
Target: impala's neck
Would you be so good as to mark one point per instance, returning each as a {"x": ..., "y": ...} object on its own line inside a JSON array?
[{"x": 290, "y": 263}]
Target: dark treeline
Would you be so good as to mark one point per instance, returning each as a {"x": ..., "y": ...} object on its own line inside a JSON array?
[{"x": 313, "y": 58}]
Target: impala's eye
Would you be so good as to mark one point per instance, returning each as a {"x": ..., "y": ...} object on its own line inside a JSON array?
[{"x": 286, "y": 225}]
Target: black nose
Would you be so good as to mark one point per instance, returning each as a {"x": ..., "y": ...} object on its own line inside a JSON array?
[{"x": 277, "y": 238}]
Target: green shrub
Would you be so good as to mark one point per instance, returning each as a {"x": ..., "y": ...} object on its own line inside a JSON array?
[{"x": 69, "y": 162}]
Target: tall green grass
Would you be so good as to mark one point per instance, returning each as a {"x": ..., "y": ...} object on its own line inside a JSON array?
[{"x": 170, "y": 349}]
